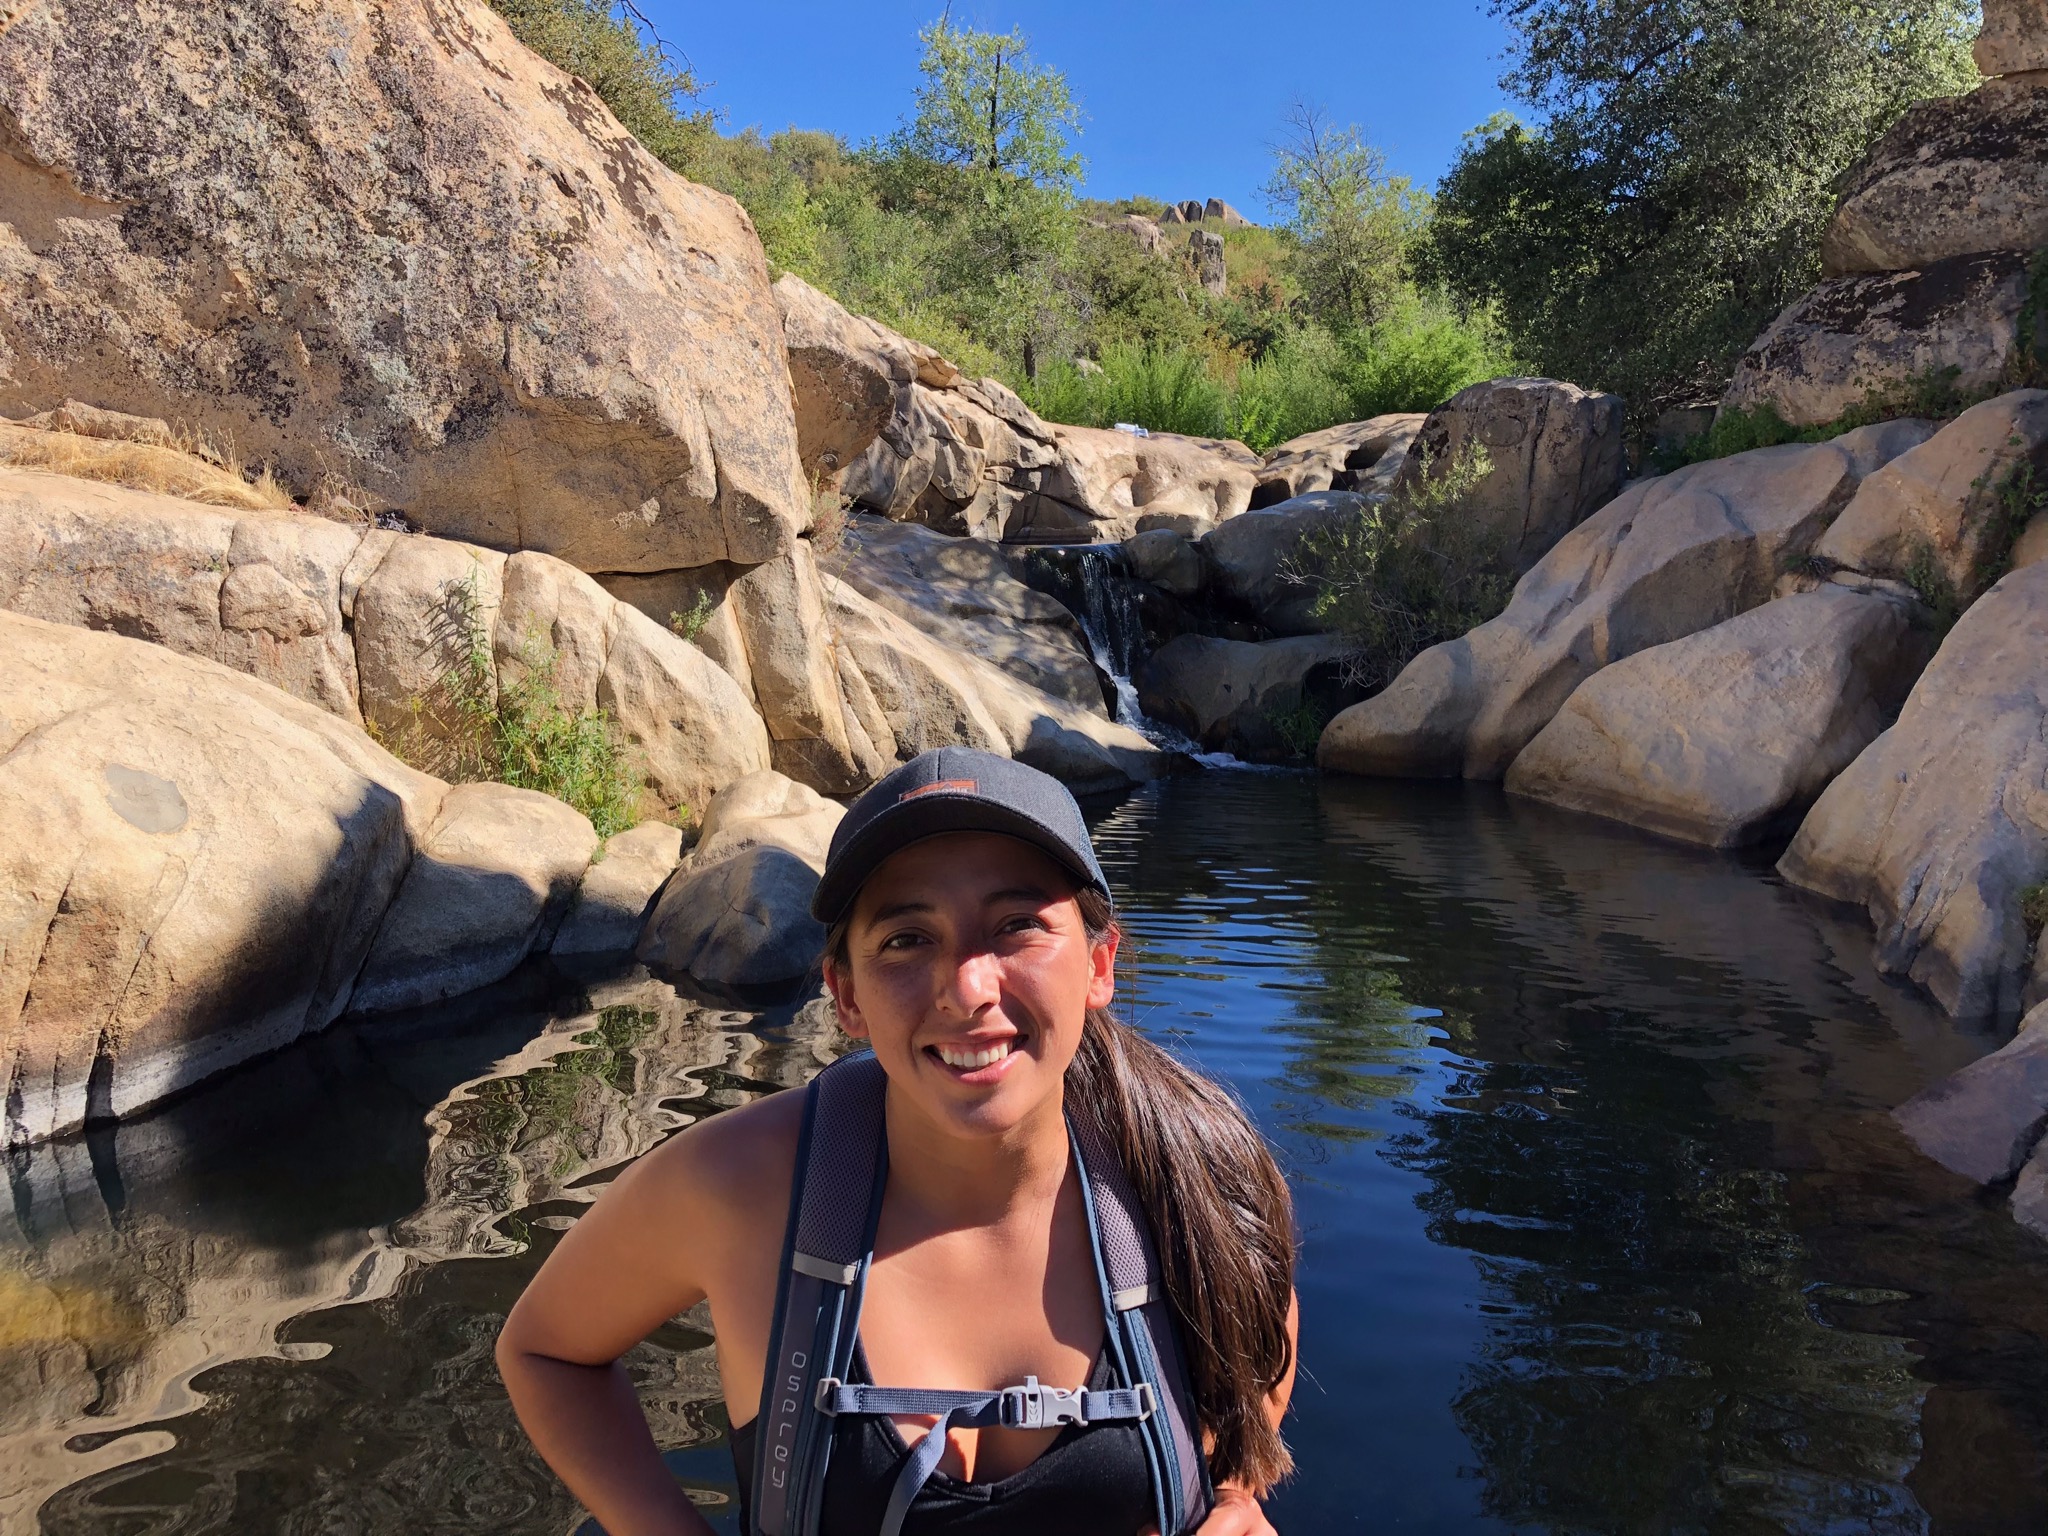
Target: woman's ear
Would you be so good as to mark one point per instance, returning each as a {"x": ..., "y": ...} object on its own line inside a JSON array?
[
  {"x": 1102, "y": 969},
  {"x": 839, "y": 982}
]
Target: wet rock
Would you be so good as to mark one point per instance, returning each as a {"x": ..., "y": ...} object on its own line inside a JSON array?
[
  {"x": 962, "y": 593},
  {"x": 490, "y": 883},
  {"x": 1727, "y": 736},
  {"x": 1944, "y": 499},
  {"x": 1853, "y": 337},
  {"x": 1352, "y": 456},
  {"x": 1167, "y": 559},
  {"x": 1953, "y": 177},
  {"x": 1245, "y": 699},
  {"x": 395, "y": 249},
  {"x": 1667, "y": 558},
  {"x": 1984, "y": 1121},
  {"x": 738, "y": 914},
  {"x": 1556, "y": 453},
  {"x": 1942, "y": 823},
  {"x": 618, "y": 891},
  {"x": 225, "y": 849},
  {"x": 1255, "y": 560}
]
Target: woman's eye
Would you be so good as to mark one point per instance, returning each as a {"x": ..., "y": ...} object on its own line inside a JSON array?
[
  {"x": 902, "y": 940},
  {"x": 1023, "y": 923}
]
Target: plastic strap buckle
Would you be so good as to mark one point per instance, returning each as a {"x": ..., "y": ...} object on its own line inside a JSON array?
[
  {"x": 827, "y": 1385},
  {"x": 1032, "y": 1406}
]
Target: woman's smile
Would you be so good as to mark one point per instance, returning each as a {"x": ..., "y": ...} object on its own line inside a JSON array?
[{"x": 977, "y": 1061}]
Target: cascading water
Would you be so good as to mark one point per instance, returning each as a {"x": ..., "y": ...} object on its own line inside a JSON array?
[{"x": 1095, "y": 584}]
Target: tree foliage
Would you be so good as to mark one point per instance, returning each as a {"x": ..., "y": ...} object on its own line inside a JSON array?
[
  {"x": 1687, "y": 157},
  {"x": 1354, "y": 225},
  {"x": 650, "y": 89}
]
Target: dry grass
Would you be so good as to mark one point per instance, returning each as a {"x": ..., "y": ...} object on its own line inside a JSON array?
[{"x": 191, "y": 472}]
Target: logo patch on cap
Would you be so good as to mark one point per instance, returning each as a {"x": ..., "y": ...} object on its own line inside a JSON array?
[{"x": 953, "y": 786}]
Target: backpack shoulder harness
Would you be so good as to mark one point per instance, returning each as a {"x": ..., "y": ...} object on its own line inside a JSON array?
[{"x": 842, "y": 1166}]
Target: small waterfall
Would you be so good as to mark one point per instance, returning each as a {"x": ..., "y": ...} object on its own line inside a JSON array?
[{"x": 1095, "y": 584}]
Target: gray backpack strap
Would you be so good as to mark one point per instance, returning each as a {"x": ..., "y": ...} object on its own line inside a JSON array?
[
  {"x": 1142, "y": 1331},
  {"x": 842, "y": 1161}
]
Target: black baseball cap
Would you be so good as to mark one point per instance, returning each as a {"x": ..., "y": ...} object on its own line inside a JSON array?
[{"x": 953, "y": 789}]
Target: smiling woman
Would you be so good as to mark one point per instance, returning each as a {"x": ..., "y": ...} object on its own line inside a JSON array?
[{"x": 1017, "y": 1270}]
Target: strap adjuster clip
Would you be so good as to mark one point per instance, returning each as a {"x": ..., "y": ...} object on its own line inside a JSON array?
[
  {"x": 827, "y": 1385},
  {"x": 1146, "y": 1401},
  {"x": 1033, "y": 1406}
]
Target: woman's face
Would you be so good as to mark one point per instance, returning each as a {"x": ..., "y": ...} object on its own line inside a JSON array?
[{"x": 970, "y": 971}]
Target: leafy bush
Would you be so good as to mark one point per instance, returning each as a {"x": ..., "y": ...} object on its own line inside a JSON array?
[
  {"x": 2034, "y": 909},
  {"x": 471, "y": 727},
  {"x": 1409, "y": 571}
]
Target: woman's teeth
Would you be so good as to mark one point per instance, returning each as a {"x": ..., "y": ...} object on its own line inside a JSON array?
[{"x": 970, "y": 1061}]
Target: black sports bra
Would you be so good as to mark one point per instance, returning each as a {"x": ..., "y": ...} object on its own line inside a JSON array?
[{"x": 1091, "y": 1481}]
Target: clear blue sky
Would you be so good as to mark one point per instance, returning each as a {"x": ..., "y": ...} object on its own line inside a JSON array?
[{"x": 1182, "y": 99}]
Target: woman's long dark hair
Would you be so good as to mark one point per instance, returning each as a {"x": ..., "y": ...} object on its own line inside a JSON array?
[{"x": 1220, "y": 1214}]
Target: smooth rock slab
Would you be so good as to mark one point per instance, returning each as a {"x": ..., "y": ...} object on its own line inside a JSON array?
[
  {"x": 487, "y": 887},
  {"x": 1727, "y": 736},
  {"x": 1943, "y": 821},
  {"x": 618, "y": 891},
  {"x": 1669, "y": 557},
  {"x": 1984, "y": 1121}
]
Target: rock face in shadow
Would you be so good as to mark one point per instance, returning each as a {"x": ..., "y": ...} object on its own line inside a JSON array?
[
  {"x": 1942, "y": 823},
  {"x": 1953, "y": 177},
  {"x": 1727, "y": 736},
  {"x": 1667, "y": 558},
  {"x": 194, "y": 868},
  {"x": 1984, "y": 1121},
  {"x": 1255, "y": 561},
  {"x": 1243, "y": 698},
  {"x": 1947, "y": 501},
  {"x": 1556, "y": 452},
  {"x": 618, "y": 891},
  {"x": 1870, "y": 332},
  {"x": 961, "y": 592}
]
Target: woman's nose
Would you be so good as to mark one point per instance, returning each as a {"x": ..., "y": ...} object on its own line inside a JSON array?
[{"x": 973, "y": 981}]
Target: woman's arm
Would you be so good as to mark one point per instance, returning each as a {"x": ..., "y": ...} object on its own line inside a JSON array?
[
  {"x": 616, "y": 1276},
  {"x": 1237, "y": 1511}
]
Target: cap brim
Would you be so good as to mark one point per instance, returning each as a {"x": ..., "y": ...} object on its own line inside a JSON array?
[{"x": 930, "y": 816}]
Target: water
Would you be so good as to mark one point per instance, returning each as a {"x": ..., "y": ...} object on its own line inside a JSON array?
[{"x": 1604, "y": 1225}]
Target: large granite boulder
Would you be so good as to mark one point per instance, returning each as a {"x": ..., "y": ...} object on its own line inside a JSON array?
[
  {"x": 1351, "y": 456},
  {"x": 2014, "y": 39},
  {"x": 1667, "y": 558},
  {"x": 488, "y": 886},
  {"x": 194, "y": 866},
  {"x": 1727, "y": 736},
  {"x": 374, "y": 626},
  {"x": 393, "y": 251},
  {"x": 617, "y": 895},
  {"x": 1984, "y": 1121},
  {"x": 963, "y": 594},
  {"x": 780, "y": 610},
  {"x": 1258, "y": 562},
  {"x": 921, "y": 693},
  {"x": 1875, "y": 333},
  {"x": 1105, "y": 481},
  {"x": 1951, "y": 500},
  {"x": 1168, "y": 560},
  {"x": 959, "y": 458},
  {"x": 739, "y": 912},
  {"x": 1255, "y": 701},
  {"x": 1942, "y": 823},
  {"x": 1556, "y": 454},
  {"x": 1953, "y": 177}
]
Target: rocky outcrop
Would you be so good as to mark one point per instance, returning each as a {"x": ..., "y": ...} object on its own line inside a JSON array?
[
  {"x": 780, "y": 612},
  {"x": 1168, "y": 560},
  {"x": 1727, "y": 736},
  {"x": 1212, "y": 261},
  {"x": 1555, "y": 451},
  {"x": 1855, "y": 337},
  {"x": 194, "y": 869},
  {"x": 1667, "y": 558},
  {"x": 738, "y": 913},
  {"x": 961, "y": 458},
  {"x": 1986, "y": 1122},
  {"x": 370, "y": 624},
  {"x": 1255, "y": 701},
  {"x": 1951, "y": 501},
  {"x": 1352, "y": 456},
  {"x": 920, "y": 693},
  {"x": 1106, "y": 483},
  {"x": 488, "y": 886},
  {"x": 2014, "y": 39},
  {"x": 1953, "y": 177},
  {"x": 618, "y": 891},
  {"x": 1942, "y": 823},
  {"x": 963, "y": 594},
  {"x": 1217, "y": 211},
  {"x": 1256, "y": 561},
  {"x": 399, "y": 258}
]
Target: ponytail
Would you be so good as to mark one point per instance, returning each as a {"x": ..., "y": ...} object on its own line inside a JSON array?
[{"x": 1220, "y": 1213}]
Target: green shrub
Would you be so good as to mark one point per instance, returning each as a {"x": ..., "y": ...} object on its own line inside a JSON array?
[
  {"x": 1161, "y": 390},
  {"x": 1410, "y": 571},
  {"x": 2034, "y": 909},
  {"x": 1931, "y": 394},
  {"x": 1299, "y": 726},
  {"x": 690, "y": 625},
  {"x": 1930, "y": 583}
]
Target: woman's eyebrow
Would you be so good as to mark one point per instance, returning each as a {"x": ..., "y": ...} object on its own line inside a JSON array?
[
  {"x": 1030, "y": 893},
  {"x": 898, "y": 909}
]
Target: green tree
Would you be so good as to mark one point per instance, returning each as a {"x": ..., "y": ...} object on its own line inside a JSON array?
[
  {"x": 1671, "y": 199},
  {"x": 1354, "y": 225}
]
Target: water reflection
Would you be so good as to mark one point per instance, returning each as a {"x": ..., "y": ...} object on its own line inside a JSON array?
[{"x": 1605, "y": 1227}]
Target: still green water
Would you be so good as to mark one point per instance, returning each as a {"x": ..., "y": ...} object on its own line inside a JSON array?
[{"x": 1605, "y": 1227}]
